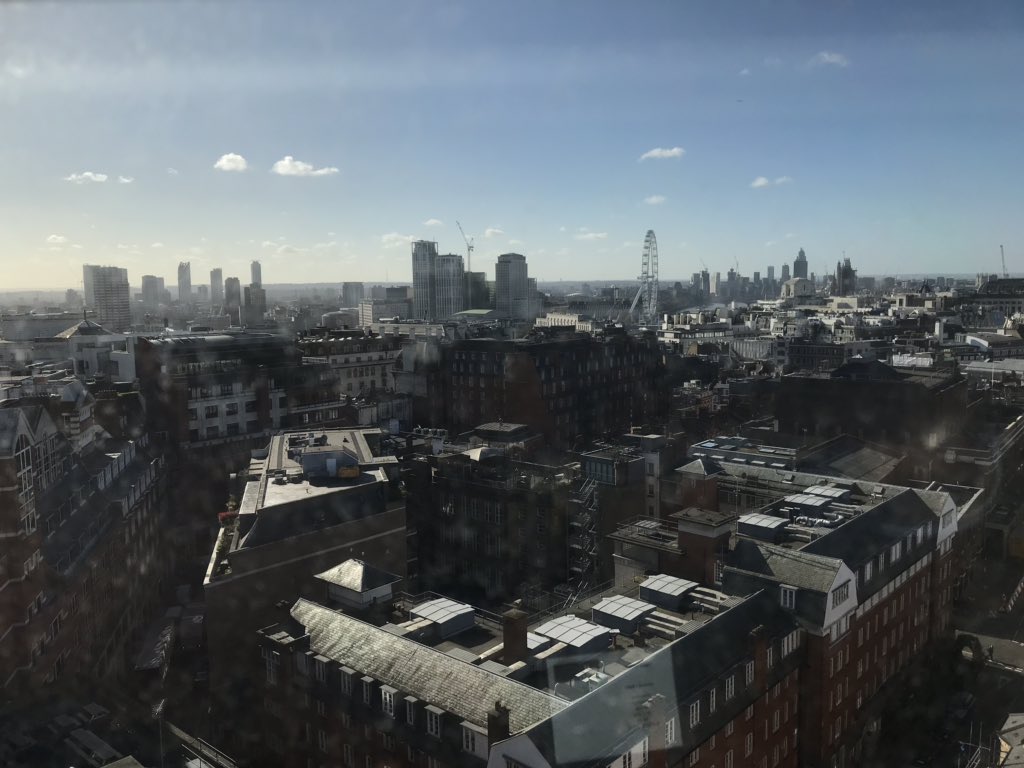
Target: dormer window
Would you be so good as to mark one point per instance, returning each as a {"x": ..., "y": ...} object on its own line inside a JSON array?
[{"x": 787, "y": 596}]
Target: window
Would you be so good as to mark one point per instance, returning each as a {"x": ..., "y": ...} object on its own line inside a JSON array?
[
  {"x": 770, "y": 657},
  {"x": 250, "y": 406},
  {"x": 367, "y": 692},
  {"x": 868, "y": 569},
  {"x": 711, "y": 700},
  {"x": 730, "y": 727},
  {"x": 788, "y": 597},
  {"x": 346, "y": 683},
  {"x": 728, "y": 759},
  {"x": 775, "y": 721},
  {"x": 694, "y": 713},
  {"x": 749, "y": 673},
  {"x": 748, "y": 745},
  {"x": 319, "y": 670},
  {"x": 321, "y": 740},
  {"x": 840, "y": 594},
  {"x": 670, "y": 731},
  {"x": 433, "y": 723},
  {"x": 410, "y": 713},
  {"x": 730, "y": 687},
  {"x": 694, "y": 757},
  {"x": 388, "y": 741},
  {"x": 387, "y": 701},
  {"x": 231, "y": 409},
  {"x": 346, "y": 755},
  {"x": 212, "y": 411}
]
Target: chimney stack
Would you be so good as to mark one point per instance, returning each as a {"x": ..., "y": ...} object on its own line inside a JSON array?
[
  {"x": 514, "y": 626},
  {"x": 498, "y": 725}
]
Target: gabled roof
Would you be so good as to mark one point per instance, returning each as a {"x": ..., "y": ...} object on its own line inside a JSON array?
[
  {"x": 466, "y": 690},
  {"x": 793, "y": 567},
  {"x": 357, "y": 576}
]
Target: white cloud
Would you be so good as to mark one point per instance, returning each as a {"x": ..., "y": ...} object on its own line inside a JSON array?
[
  {"x": 744, "y": 72},
  {"x": 172, "y": 171},
  {"x": 515, "y": 242},
  {"x": 591, "y": 235},
  {"x": 268, "y": 244},
  {"x": 86, "y": 177},
  {"x": 156, "y": 245},
  {"x": 561, "y": 229},
  {"x": 654, "y": 199},
  {"x": 493, "y": 232},
  {"x": 56, "y": 240},
  {"x": 828, "y": 59},
  {"x": 433, "y": 223},
  {"x": 289, "y": 166},
  {"x": 125, "y": 179},
  {"x": 772, "y": 62},
  {"x": 769, "y": 243},
  {"x": 395, "y": 240},
  {"x": 231, "y": 162},
  {"x": 661, "y": 153},
  {"x": 790, "y": 235},
  {"x": 763, "y": 181}
]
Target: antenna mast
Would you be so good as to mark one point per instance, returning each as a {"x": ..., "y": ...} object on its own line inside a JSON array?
[{"x": 1003, "y": 257}]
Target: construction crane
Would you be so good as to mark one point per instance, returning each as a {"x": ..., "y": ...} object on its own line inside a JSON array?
[
  {"x": 469, "y": 248},
  {"x": 1003, "y": 257}
]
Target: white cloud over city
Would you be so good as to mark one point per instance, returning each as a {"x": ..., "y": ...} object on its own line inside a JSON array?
[
  {"x": 662, "y": 153},
  {"x": 231, "y": 162},
  {"x": 289, "y": 166}
]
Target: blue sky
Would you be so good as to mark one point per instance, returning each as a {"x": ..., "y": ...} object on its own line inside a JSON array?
[{"x": 893, "y": 134}]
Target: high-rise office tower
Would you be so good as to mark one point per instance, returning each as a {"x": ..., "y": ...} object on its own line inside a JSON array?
[
  {"x": 424, "y": 255},
  {"x": 88, "y": 292},
  {"x": 351, "y": 294},
  {"x": 217, "y": 286},
  {"x": 800, "y": 265},
  {"x": 771, "y": 272},
  {"x": 233, "y": 299},
  {"x": 255, "y": 304},
  {"x": 184, "y": 282},
  {"x": 257, "y": 274},
  {"x": 785, "y": 272},
  {"x": 449, "y": 286},
  {"x": 111, "y": 299},
  {"x": 477, "y": 294},
  {"x": 716, "y": 284},
  {"x": 511, "y": 286},
  {"x": 152, "y": 291}
]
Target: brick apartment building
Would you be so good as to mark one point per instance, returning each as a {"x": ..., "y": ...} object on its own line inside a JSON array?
[
  {"x": 310, "y": 501},
  {"x": 867, "y": 569},
  {"x": 83, "y": 518},
  {"x": 210, "y": 389},
  {"x": 487, "y": 526},
  {"x": 572, "y": 388},
  {"x": 363, "y": 363},
  {"x": 874, "y": 401},
  {"x": 460, "y": 689}
]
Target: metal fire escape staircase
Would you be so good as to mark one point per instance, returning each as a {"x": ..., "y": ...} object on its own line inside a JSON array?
[{"x": 583, "y": 541}]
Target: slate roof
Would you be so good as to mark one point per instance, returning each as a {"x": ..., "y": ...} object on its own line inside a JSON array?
[
  {"x": 357, "y": 576},
  {"x": 598, "y": 727},
  {"x": 465, "y": 690},
  {"x": 795, "y": 568},
  {"x": 864, "y": 536}
]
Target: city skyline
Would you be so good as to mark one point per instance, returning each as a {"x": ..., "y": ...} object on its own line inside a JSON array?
[{"x": 887, "y": 135}]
